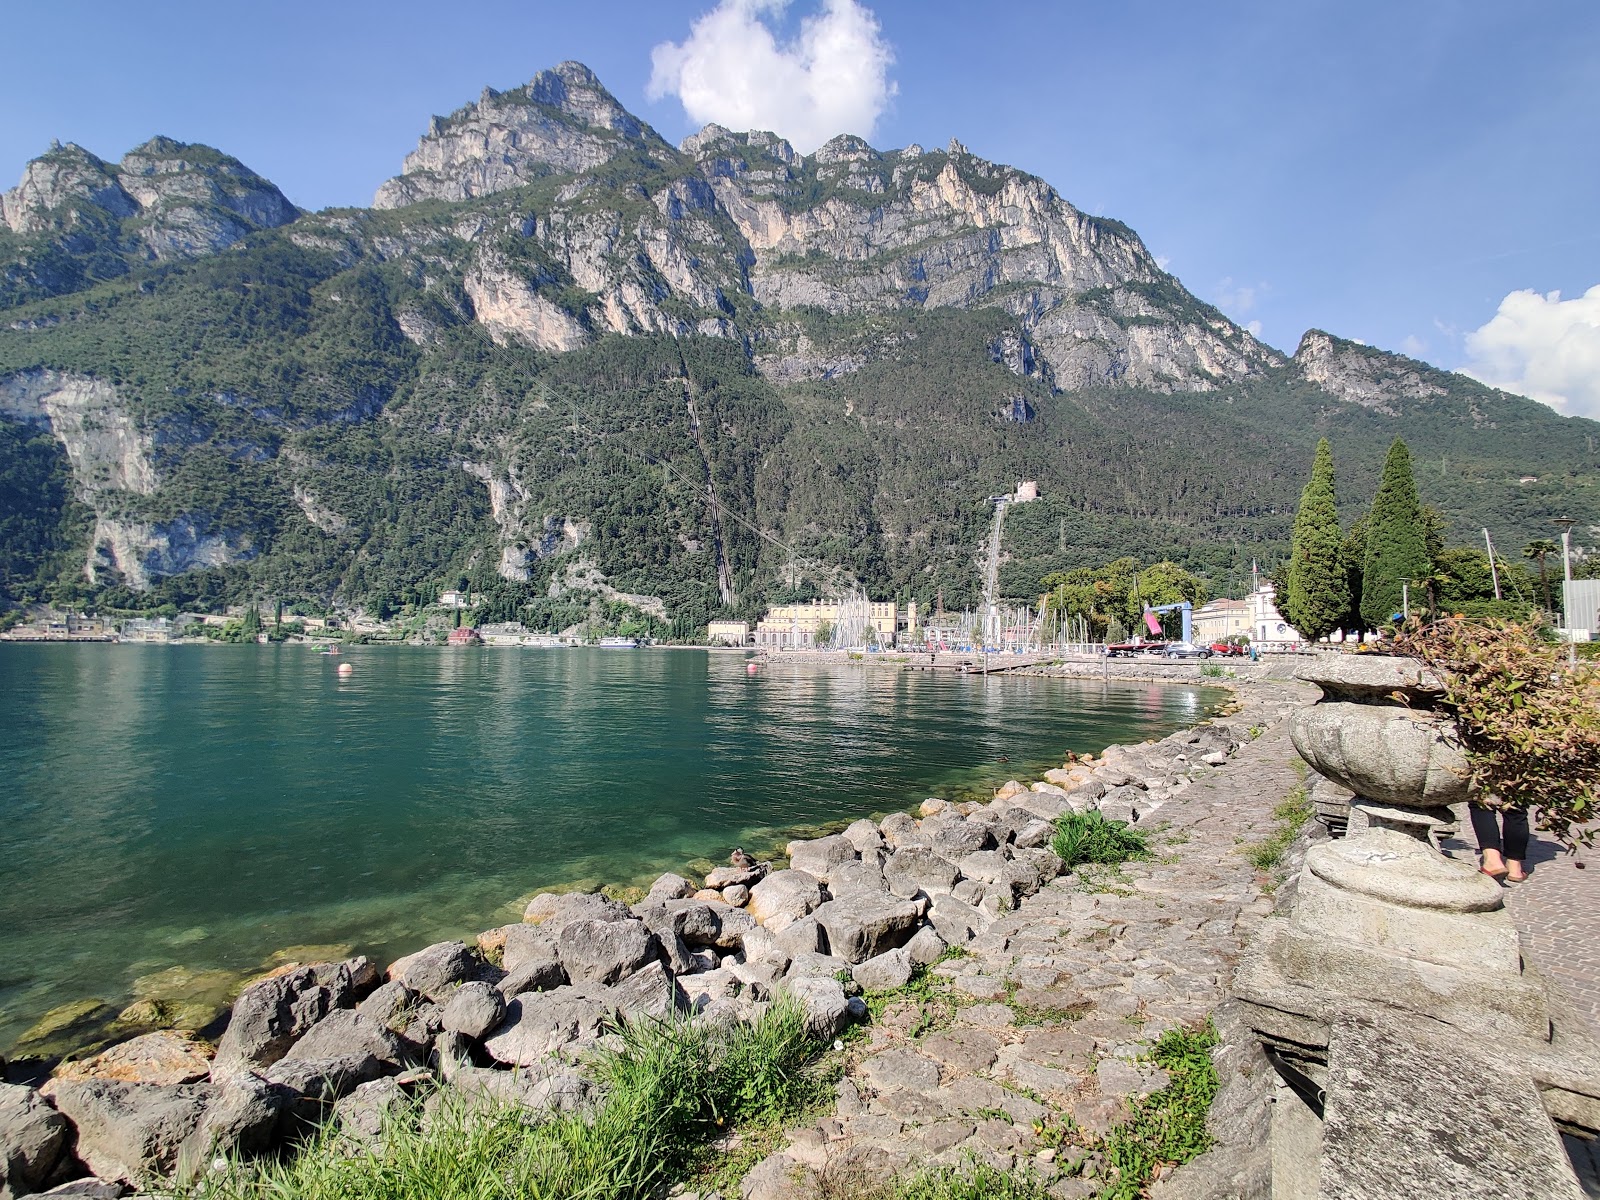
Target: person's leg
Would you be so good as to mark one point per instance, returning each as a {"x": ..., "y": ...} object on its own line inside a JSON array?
[
  {"x": 1486, "y": 827},
  {"x": 1515, "y": 821}
]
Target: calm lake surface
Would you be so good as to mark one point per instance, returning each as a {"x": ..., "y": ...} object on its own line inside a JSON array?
[{"x": 203, "y": 807}]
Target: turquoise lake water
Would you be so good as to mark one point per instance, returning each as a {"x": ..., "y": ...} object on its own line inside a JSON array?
[{"x": 203, "y": 807}]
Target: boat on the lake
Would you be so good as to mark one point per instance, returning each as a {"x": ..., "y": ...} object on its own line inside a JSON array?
[{"x": 619, "y": 643}]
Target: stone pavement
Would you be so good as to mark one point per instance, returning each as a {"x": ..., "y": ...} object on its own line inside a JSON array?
[
  {"x": 1045, "y": 1023},
  {"x": 1557, "y": 912}
]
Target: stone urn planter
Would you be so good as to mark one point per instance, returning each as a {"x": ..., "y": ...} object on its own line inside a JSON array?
[{"x": 1381, "y": 915}]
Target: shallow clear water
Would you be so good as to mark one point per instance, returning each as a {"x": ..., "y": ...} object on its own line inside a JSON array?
[{"x": 203, "y": 807}]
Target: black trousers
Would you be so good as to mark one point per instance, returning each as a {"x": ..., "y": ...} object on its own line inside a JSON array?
[{"x": 1486, "y": 825}]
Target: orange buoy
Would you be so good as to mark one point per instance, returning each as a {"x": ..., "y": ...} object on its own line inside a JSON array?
[{"x": 346, "y": 669}]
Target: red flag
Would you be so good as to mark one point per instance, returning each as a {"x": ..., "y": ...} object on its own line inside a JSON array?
[{"x": 1150, "y": 620}]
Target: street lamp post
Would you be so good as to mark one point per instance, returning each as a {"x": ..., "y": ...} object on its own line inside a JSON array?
[{"x": 1566, "y": 524}]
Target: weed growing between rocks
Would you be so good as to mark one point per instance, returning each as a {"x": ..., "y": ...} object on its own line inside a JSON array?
[
  {"x": 670, "y": 1089},
  {"x": 1291, "y": 813},
  {"x": 1089, "y": 838},
  {"x": 1167, "y": 1127}
]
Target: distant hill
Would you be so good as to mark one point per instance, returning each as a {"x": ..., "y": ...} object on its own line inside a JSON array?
[{"x": 572, "y": 362}]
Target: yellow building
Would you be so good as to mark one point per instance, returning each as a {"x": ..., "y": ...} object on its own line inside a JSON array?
[
  {"x": 728, "y": 633},
  {"x": 1220, "y": 620},
  {"x": 795, "y": 626}
]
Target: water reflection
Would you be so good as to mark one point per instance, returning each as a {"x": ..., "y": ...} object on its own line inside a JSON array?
[{"x": 204, "y": 806}]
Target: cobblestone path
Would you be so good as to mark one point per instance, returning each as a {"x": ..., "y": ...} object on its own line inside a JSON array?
[{"x": 1053, "y": 1008}]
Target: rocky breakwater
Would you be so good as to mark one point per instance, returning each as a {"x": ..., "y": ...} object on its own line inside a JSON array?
[{"x": 511, "y": 1018}]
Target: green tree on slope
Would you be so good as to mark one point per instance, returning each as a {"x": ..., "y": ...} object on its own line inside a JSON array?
[
  {"x": 1397, "y": 549},
  {"x": 1318, "y": 594}
]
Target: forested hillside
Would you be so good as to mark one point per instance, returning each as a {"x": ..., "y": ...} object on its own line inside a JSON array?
[{"x": 694, "y": 379}]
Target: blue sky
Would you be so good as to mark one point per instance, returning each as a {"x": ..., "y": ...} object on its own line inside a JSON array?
[{"x": 1402, "y": 173}]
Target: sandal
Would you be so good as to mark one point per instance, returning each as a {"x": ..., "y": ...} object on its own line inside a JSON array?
[{"x": 1498, "y": 876}]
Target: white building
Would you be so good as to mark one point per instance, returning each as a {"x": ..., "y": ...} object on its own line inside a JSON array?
[{"x": 1267, "y": 626}]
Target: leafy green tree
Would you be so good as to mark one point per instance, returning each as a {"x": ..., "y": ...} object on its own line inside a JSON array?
[
  {"x": 1397, "y": 549},
  {"x": 1352, "y": 557},
  {"x": 250, "y": 626},
  {"x": 1318, "y": 594}
]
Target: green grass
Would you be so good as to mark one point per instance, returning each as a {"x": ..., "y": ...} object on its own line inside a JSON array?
[
  {"x": 1291, "y": 813},
  {"x": 669, "y": 1090},
  {"x": 1090, "y": 838},
  {"x": 1168, "y": 1126}
]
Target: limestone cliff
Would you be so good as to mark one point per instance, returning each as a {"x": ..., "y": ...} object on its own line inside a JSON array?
[{"x": 1360, "y": 375}]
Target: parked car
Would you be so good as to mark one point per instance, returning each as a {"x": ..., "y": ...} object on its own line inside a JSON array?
[
  {"x": 1227, "y": 649},
  {"x": 1186, "y": 650}
]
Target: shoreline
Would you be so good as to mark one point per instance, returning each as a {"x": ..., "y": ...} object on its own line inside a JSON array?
[{"x": 209, "y": 990}]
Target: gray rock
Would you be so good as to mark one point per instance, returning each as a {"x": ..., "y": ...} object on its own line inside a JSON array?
[
  {"x": 131, "y": 1132},
  {"x": 433, "y": 970},
  {"x": 650, "y": 991},
  {"x": 529, "y": 943},
  {"x": 821, "y": 965},
  {"x": 708, "y": 987},
  {"x": 1122, "y": 804},
  {"x": 901, "y": 1069},
  {"x": 33, "y": 1137},
  {"x": 270, "y": 1016},
  {"x": 864, "y": 836},
  {"x": 861, "y": 926},
  {"x": 241, "y": 1120},
  {"x": 736, "y": 894},
  {"x": 695, "y": 921},
  {"x": 557, "y": 910},
  {"x": 886, "y": 971},
  {"x": 784, "y": 897},
  {"x": 724, "y": 877},
  {"x": 89, "y": 1189},
  {"x": 900, "y": 830},
  {"x": 926, "y": 946},
  {"x": 1043, "y": 863},
  {"x": 1034, "y": 833},
  {"x": 732, "y": 925},
  {"x": 955, "y": 922},
  {"x": 392, "y": 1005},
  {"x": 670, "y": 887},
  {"x": 956, "y": 838},
  {"x": 819, "y": 856},
  {"x": 854, "y": 876},
  {"x": 539, "y": 1023},
  {"x": 363, "y": 1114},
  {"x": 318, "y": 1082},
  {"x": 919, "y": 869},
  {"x": 800, "y": 937},
  {"x": 347, "y": 1033},
  {"x": 823, "y": 1002},
  {"x": 969, "y": 892},
  {"x": 535, "y": 975},
  {"x": 474, "y": 1010},
  {"x": 605, "y": 951}
]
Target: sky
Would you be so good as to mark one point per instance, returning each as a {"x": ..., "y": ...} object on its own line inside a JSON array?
[{"x": 1422, "y": 176}]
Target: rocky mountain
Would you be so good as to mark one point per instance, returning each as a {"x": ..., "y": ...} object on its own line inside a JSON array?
[
  {"x": 75, "y": 219},
  {"x": 579, "y": 365}
]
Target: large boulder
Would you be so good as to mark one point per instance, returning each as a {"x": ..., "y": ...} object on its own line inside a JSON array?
[
  {"x": 725, "y": 877},
  {"x": 474, "y": 1010},
  {"x": 901, "y": 830},
  {"x": 864, "y": 836},
  {"x": 538, "y": 1024},
  {"x": 954, "y": 839},
  {"x": 819, "y": 856},
  {"x": 955, "y": 922},
  {"x": 560, "y": 910},
  {"x": 536, "y": 975},
  {"x": 33, "y": 1137},
  {"x": 799, "y": 937},
  {"x": 165, "y": 1056},
  {"x": 670, "y": 887},
  {"x": 241, "y": 1119},
  {"x": 854, "y": 876},
  {"x": 783, "y": 898},
  {"x": 347, "y": 1033},
  {"x": 885, "y": 972},
  {"x": 131, "y": 1132},
  {"x": 823, "y": 1002},
  {"x": 435, "y": 970},
  {"x": 268, "y": 1017},
  {"x": 695, "y": 921},
  {"x": 529, "y": 943},
  {"x": 919, "y": 869},
  {"x": 863, "y": 925},
  {"x": 605, "y": 951}
]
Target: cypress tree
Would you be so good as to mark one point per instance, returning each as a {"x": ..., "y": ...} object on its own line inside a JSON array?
[
  {"x": 1317, "y": 597},
  {"x": 1397, "y": 548}
]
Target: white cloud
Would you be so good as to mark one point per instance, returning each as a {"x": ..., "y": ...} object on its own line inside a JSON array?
[
  {"x": 831, "y": 78},
  {"x": 1414, "y": 346},
  {"x": 1543, "y": 347},
  {"x": 1163, "y": 261},
  {"x": 1238, "y": 298},
  {"x": 1255, "y": 328}
]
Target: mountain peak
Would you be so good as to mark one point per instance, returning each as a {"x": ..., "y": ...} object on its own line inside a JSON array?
[
  {"x": 562, "y": 121},
  {"x": 1360, "y": 374}
]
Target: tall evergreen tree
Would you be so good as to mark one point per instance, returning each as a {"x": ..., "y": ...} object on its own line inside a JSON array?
[
  {"x": 1318, "y": 593},
  {"x": 1397, "y": 548}
]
